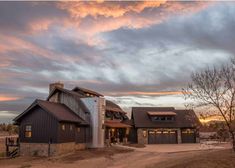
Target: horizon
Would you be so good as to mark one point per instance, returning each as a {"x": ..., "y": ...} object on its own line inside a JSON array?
[{"x": 135, "y": 53}]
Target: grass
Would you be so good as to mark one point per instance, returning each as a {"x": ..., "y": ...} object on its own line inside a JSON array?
[{"x": 210, "y": 159}]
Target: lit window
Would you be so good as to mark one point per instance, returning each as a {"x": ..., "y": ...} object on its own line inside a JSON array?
[
  {"x": 71, "y": 127},
  {"x": 63, "y": 127},
  {"x": 78, "y": 129},
  {"x": 28, "y": 131}
]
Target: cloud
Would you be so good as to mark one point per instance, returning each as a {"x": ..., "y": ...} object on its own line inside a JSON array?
[
  {"x": 107, "y": 9},
  {"x": 92, "y": 18},
  {"x": 24, "y": 17},
  {"x": 146, "y": 93},
  {"x": 138, "y": 53},
  {"x": 209, "y": 30},
  {"x": 7, "y": 98}
]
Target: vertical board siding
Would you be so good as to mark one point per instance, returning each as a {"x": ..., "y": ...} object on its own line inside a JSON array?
[
  {"x": 72, "y": 103},
  {"x": 44, "y": 126},
  {"x": 81, "y": 136},
  {"x": 66, "y": 135}
]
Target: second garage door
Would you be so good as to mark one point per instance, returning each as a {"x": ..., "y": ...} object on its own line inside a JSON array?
[
  {"x": 188, "y": 136},
  {"x": 162, "y": 137}
]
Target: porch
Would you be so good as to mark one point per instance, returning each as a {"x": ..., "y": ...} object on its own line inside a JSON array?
[{"x": 116, "y": 132}]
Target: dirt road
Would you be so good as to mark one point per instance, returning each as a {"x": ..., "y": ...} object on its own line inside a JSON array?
[{"x": 109, "y": 158}]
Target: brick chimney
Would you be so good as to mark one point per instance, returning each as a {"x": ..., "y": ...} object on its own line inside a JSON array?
[{"x": 56, "y": 84}]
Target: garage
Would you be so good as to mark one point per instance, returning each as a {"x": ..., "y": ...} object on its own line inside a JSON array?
[
  {"x": 188, "y": 136},
  {"x": 162, "y": 137}
]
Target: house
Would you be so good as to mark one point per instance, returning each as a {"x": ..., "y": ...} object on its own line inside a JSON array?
[
  {"x": 81, "y": 118},
  {"x": 68, "y": 120},
  {"x": 164, "y": 125}
]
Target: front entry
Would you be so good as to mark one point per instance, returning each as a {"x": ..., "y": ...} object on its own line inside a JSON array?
[
  {"x": 116, "y": 135},
  {"x": 162, "y": 137}
]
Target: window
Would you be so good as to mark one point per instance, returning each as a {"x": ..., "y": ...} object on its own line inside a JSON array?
[
  {"x": 78, "y": 129},
  {"x": 63, "y": 127},
  {"x": 28, "y": 131},
  {"x": 163, "y": 118},
  {"x": 71, "y": 127}
]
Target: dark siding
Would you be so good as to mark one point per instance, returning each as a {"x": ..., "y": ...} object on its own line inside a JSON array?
[
  {"x": 133, "y": 135},
  {"x": 44, "y": 126},
  {"x": 66, "y": 135},
  {"x": 81, "y": 136}
]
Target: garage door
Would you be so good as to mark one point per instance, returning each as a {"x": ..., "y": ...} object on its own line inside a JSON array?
[
  {"x": 162, "y": 137},
  {"x": 188, "y": 136}
]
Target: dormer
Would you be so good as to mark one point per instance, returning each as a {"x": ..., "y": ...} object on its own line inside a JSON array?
[{"x": 165, "y": 116}]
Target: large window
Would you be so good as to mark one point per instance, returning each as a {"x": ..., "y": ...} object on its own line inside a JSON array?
[
  {"x": 163, "y": 118},
  {"x": 28, "y": 131}
]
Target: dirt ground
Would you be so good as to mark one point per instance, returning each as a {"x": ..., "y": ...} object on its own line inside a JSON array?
[
  {"x": 123, "y": 157},
  {"x": 2, "y": 145},
  {"x": 206, "y": 159}
]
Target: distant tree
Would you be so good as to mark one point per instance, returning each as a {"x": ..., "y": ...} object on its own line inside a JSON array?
[{"x": 215, "y": 87}]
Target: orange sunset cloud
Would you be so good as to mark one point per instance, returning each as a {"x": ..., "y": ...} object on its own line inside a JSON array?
[
  {"x": 107, "y": 9},
  {"x": 147, "y": 93},
  {"x": 8, "y": 98},
  {"x": 108, "y": 16}
]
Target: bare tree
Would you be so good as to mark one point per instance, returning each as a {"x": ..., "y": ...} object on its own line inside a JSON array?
[{"x": 215, "y": 87}]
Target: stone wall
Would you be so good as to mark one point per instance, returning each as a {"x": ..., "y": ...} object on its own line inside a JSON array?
[
  {"x": 179, "y": 138},
  {"x": 42, "y": 149},
  {"x": 142, "y": 135}
]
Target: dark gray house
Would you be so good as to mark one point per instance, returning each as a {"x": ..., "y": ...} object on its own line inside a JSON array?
[
  {"x": 164, "y": 125},
  {"x": 46, "y": 125},
  {"x": 68, "y": 120}
]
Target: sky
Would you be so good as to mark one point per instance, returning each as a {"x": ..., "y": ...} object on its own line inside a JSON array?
[{"x": 135, "y": 53}]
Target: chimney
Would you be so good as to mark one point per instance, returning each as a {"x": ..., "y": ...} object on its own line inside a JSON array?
[{"x": 56, "y": 84}]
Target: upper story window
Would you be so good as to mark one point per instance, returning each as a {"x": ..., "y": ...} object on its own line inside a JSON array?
[
  {"x": 28, "y": 131},
  {"x": 163, "y": 118}
]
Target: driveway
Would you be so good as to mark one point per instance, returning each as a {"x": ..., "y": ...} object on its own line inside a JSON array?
[{"x": 172, "y": 148}]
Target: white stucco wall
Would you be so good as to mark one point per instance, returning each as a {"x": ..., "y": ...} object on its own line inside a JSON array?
[{"x": 96, "y": 106}]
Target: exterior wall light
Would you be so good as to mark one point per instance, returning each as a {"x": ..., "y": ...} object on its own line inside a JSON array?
[{"x": 144, "y": 133}]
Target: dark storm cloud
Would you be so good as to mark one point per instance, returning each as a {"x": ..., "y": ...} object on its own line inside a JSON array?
[
  {"x": 211, "y": 29},
  {"x": 167, "y": 53},
  {"x": 17, "y": 16}
]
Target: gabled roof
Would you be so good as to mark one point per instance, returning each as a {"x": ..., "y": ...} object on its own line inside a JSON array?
[
  {"x": 76, "y": 95},
  {"x": 85, "y": 91},
  {"x": 58, "y": 110},
  {"x": 116, "y": 124},
  {"x": 111, "y": 106},
  {"x": 65, "y": 91},
  {"x": 183, "y": 118}
]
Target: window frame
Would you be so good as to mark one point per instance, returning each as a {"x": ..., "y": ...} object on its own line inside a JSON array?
[{"x": 28, "y": 131}]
